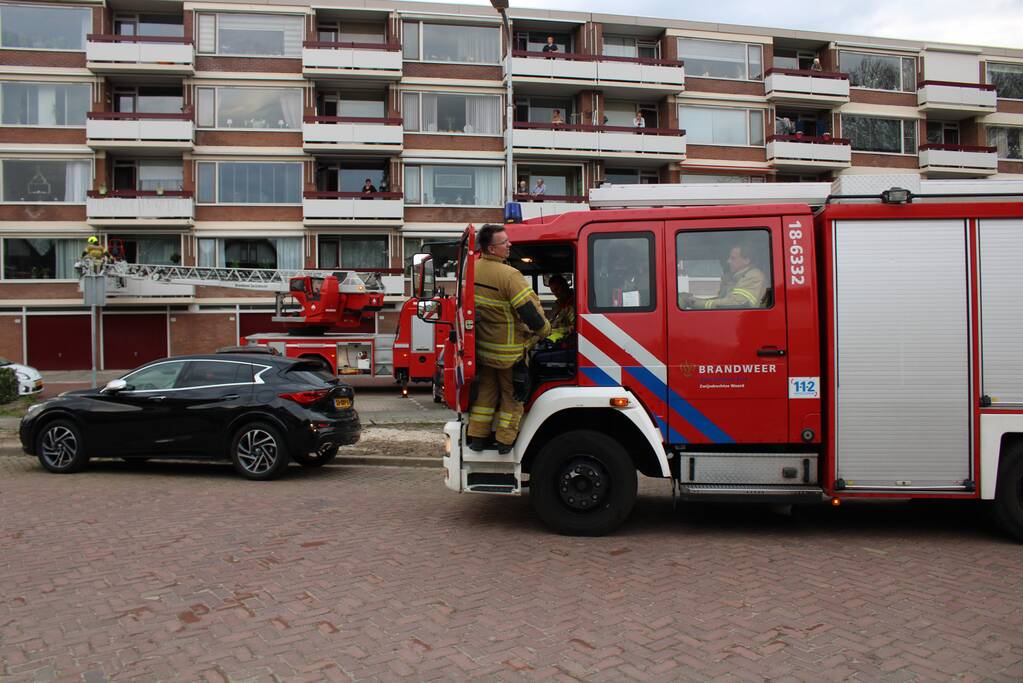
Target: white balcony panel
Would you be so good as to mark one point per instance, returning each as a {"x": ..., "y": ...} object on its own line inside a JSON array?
[
  {"x": 953, "y": 97},
  {"x": 556, "y": 139},
  {"x": 345, "y": 58},
  {"x": 547, "y": 209},
  {"x": 351, "y": 209},
  {"x": 634, "y": 72},
  {"x": 810, "y": 86},
  {"x": 970, "y": 162},
  {"x": 352, "y": 134},
  {"x": 533, "y": 67},
  {"x": 643, "y": 144},
  {"x": 147, "y": 208},
  {"x": 139, "y": 53},
  {"x": 781, "y": 151},
  {"x": 141, "y": 130}
]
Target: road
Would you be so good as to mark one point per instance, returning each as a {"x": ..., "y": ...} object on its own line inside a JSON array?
[{"x": 165, "y": 571}]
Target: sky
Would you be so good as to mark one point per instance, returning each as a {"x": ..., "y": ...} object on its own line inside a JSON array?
[{"x": 973, "y": 22}]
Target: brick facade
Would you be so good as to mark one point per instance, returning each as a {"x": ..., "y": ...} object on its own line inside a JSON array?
[
  {"x": 201, "y": 332},
  {"x": 11, "y": 337}
]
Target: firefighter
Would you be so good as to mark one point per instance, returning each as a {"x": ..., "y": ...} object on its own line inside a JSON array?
[
  {"x": 744, "y": 287},
  {"x": 94, "y": 255},
  {"x": 508, "y": 313},
  {"x": 563, "y": 314}
]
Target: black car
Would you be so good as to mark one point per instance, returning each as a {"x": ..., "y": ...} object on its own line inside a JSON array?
[{"x": 258, "y": 410}]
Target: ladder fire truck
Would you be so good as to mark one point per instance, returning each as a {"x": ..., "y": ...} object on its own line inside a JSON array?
[{"x": 879, "y": 357}]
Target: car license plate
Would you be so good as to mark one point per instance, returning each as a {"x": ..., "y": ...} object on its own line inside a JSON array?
[{"x": 342, "y": 403}]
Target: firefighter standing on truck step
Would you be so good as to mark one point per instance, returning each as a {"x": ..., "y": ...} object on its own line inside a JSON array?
[{"x": 508, "y": 313}]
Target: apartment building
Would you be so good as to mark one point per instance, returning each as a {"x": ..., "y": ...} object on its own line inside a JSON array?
[{"x": 352, "y": 135}]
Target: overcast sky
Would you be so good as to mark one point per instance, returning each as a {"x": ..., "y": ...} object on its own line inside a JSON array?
[{"x": 973, "y": 22}]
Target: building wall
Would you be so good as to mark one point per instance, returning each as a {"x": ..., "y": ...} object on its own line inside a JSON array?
[{"x": 201, "y": 332}]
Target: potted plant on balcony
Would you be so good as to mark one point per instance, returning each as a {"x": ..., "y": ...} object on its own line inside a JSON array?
[
  {"x": 102, "y": 189},
  {"x": 159, "y": 190}
]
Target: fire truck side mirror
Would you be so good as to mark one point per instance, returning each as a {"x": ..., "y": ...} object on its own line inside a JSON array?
[
  {"x": 423, "y": 277},
  {"x": 428, "y": 310}
]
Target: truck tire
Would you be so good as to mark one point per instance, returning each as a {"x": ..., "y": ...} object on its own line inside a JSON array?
[
  {"x": 258, "y": 452},
  {"x": 1008, "y": 503},
  {"x": 60, "y": 447},
  {"x": 583, "y": 483}
]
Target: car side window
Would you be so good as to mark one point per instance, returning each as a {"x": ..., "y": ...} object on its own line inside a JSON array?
[
  {"x": 158, "y": 377},
  {"x": 205, "y": 373}
]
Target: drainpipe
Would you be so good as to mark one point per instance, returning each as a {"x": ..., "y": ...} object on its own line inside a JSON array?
[{"x": 509, "y": 172}]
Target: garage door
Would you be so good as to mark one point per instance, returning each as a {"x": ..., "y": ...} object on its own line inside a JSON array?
[
  {"x": 131, "y": 340},
  {"x": 59, "y": 342},
  {"x": 256, "y": 323}
]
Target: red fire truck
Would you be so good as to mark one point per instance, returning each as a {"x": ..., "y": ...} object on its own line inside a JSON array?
[
  {"x": 418, "y": 345},
  {"x": 878, "y": 357}
]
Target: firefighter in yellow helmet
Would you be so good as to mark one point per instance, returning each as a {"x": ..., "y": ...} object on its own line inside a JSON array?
[
  {"x": 508, "y": 314},
  {"x": 94, "y": 255}
]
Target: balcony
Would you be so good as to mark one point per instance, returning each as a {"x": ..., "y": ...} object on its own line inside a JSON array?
[
  {"x": 802, "y": 86},
  {"x": 552, "y": 205},
  {"x": 352, "y": 134},
  {"x": 372, "y": 61},
  {"x": 956, "y": 100},
  {"x": 371, "y": 207},
  {"x": 587, "y": 140},
  {"x": 958, "y": 161},
  {"x": 139, "y": 54},
  {"x": 140, "y": 207},
  {"x": 133, "y": 130},
  {"x": 632, "y": 72},
  {"x": 803, "y": 152}
]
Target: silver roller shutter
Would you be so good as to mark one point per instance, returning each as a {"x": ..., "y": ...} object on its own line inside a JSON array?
[{"x": 1001, "y": 282}]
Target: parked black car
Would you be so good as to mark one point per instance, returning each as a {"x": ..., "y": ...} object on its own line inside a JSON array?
[{"x": 258, "y": 410}]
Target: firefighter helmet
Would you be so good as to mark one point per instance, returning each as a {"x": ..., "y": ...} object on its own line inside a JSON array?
[{"x": 93, "y": 240}]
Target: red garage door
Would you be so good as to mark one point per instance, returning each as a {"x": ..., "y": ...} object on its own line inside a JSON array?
[
  {"x": 131, "y": 340},
  {"x": 255, "y": 323},
  {"x": 59, "y": 342}
]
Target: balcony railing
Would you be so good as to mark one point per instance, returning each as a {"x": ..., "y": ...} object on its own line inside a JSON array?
[
  {"x": 549, "y": 204},
  {"x": 351, "y": 130},
  {"x": 796, "y": 150},
  {"x": 115, "y": 126},
  {"x": 124, "y": 205},
  {"x": 958, "y": 159},
  {"x": 577, "y": 136},
  {"x": 951, "y": 97},
  {"x": 326, "y": 56},
  {"x": 319, "y": 205},
  {"x": 806, "y": 85},
  {"x": 160, "y": 52},
  {"x": 635, "y": 70}
]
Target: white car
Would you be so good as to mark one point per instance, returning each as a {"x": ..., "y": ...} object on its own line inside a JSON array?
[{"x": 29, "y": 380}]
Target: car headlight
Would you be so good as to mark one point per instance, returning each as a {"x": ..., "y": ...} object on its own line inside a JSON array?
[
  {"x": 21, "y": 375},
  {"x": 34, "y": 407}
]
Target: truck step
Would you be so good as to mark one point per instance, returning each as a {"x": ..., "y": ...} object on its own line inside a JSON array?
[
  {"x": 492, "y": 488},
  {"x": 751, "y": 493},
  {"x": 492, "y": 482}
]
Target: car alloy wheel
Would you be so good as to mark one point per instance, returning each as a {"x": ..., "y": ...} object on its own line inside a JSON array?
[
  {"x": 59, "y": 447},
  {"x": 257, "y": 451}
]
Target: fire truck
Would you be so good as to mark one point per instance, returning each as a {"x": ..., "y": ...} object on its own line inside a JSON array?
[
  {"x": 419, "y": 345},
  {"x": 875, "y": 352}
]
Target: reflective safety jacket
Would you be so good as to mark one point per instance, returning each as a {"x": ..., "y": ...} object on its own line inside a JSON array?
[
  {"x": 508, "y": 313},
  {"x": 745, "y": 289}
]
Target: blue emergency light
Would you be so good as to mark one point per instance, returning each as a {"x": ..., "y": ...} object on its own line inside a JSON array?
[{"x": 512, "y": 212}]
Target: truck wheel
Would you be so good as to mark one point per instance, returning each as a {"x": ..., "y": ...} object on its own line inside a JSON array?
[
  {"x": 583, "y": 483},
  {"x": 318, "y": 459},
  {"x": 258, "y": 452},
  {"x": 60, "y": 447},
  {"x": 1008, "y": 504}
]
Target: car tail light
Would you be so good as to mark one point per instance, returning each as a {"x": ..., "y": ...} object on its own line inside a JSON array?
[{"x": 306, "y": 398}]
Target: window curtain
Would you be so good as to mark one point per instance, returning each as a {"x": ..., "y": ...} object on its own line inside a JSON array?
[
  {"x": 77, "y": 175},
  {"x": 207, "y": 33},
  {"x": 488, "y": 186},
  {"x": 160, "y": 176},
  {"x": 411, "y": 188},
  {"x": 68, "y": 252},
  {"x": 410, "y": 110},
  {"x": 483, "y": 114},
  {"x": 263, "y": 29},
  {"x": 477, "y": 44},
  {"x": 46, "y": 100},
  {"x": 289, "y": 252},
  {"x": 364, "y": 254},
  {"x": 429, "y": 115},
  {"x": 208, "y": 253},
  {"x": 291, "y": 105},
  {"x": 156, "y": 251}
]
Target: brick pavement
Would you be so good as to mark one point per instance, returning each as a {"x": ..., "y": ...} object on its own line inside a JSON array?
[{"x": 186, "y": 572}]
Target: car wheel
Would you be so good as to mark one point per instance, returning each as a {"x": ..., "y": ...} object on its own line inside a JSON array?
[
  {"x": 258, "y": 452},
  {"x": 61, "y": 448},
  {"x": 583, "y": 483},
  {"x": 1008, "y": 503},
  {"x": 317, "y": 459}
]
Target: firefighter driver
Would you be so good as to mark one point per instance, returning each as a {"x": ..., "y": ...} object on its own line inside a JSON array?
[
  {"x": 563, "y": 314},
  {"x": 743, "y": 287},
  {"x": 508, "y": 312}
]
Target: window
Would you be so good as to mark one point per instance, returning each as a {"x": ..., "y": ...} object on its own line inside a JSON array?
[
  {"x": 51, "y": 180},
  {"x": 623, "y": 264},
  {"x": 453, "y": 185},
  {"x": 275, "y": 108},
  {"x": 720, "y": 126},
  {"x": 157, "y": 250},
  {"x": 250, "y": 182},
  {"x": 148, "y": 174},
  {"x": 450, "y": 43},
  {"x": 891, "y": 136},
  {"x": 623, "y": 113},
  {"x": 631, "y": 176},
  {"x": 351, "y": 176},
  {"x": 262, "y": 35},
  {"x": 879, "y": 72},
  {"x": 942, "y": 133},
  {"x": 1008, "y": 141},
  {"x": 444, "y": 252},
  {"x": 349, "y": 32},
  {"x": 720, "y": 59},
  {"x": 793, "y": 59},
  {"x": 541, "y": 109},
  {"x": 44, "y": 28},
  {"x": 452, "y": 113},
  {"x": 284, "y": 253},
  {"x": 41, "y": 259},
  {"x": 363, "y": 105},
  {"x": 44, "y": 104},
  {"x": 559, "y": 180},
  {"x": 148, "y": 100},
  {"x": 629, "y": 46},
  {"x": 724, "y": 269},
  {"x": 351, "y": 252},
  {"x": 212, "y": 373},
  {"x": 1007, "y": 78},
  {"x": 149, "y": 25},
  {"x": 533, "y": 41},
  {"x": 159, "y": 377}
]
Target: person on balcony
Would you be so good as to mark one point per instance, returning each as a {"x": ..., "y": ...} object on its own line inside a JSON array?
[
  {"x": 523, "y": 187},
  {"x": 368, "y": 189},
  {"x": 556, "y": 118},
  {"x": 816, "y": 66},
  {"x": 551, "y": 46},
  {"x": 639, "y": 121},
  {"x": 539, "y": 190}
]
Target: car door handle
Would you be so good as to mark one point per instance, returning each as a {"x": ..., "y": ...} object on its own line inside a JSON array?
[
  {"x": 770, "y": 352},
  {"x": 229, "y": 397},
  {"x": 157, "y": 398}
]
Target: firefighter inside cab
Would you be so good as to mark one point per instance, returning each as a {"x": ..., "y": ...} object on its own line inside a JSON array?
[
  {"x": 563, "y": 314},
  {"x": 509, "y": 317},
  {"x": 743, "y": 285}
]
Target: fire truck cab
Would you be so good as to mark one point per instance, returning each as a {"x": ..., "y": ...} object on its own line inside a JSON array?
[{"x": 762, "y": 353}]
